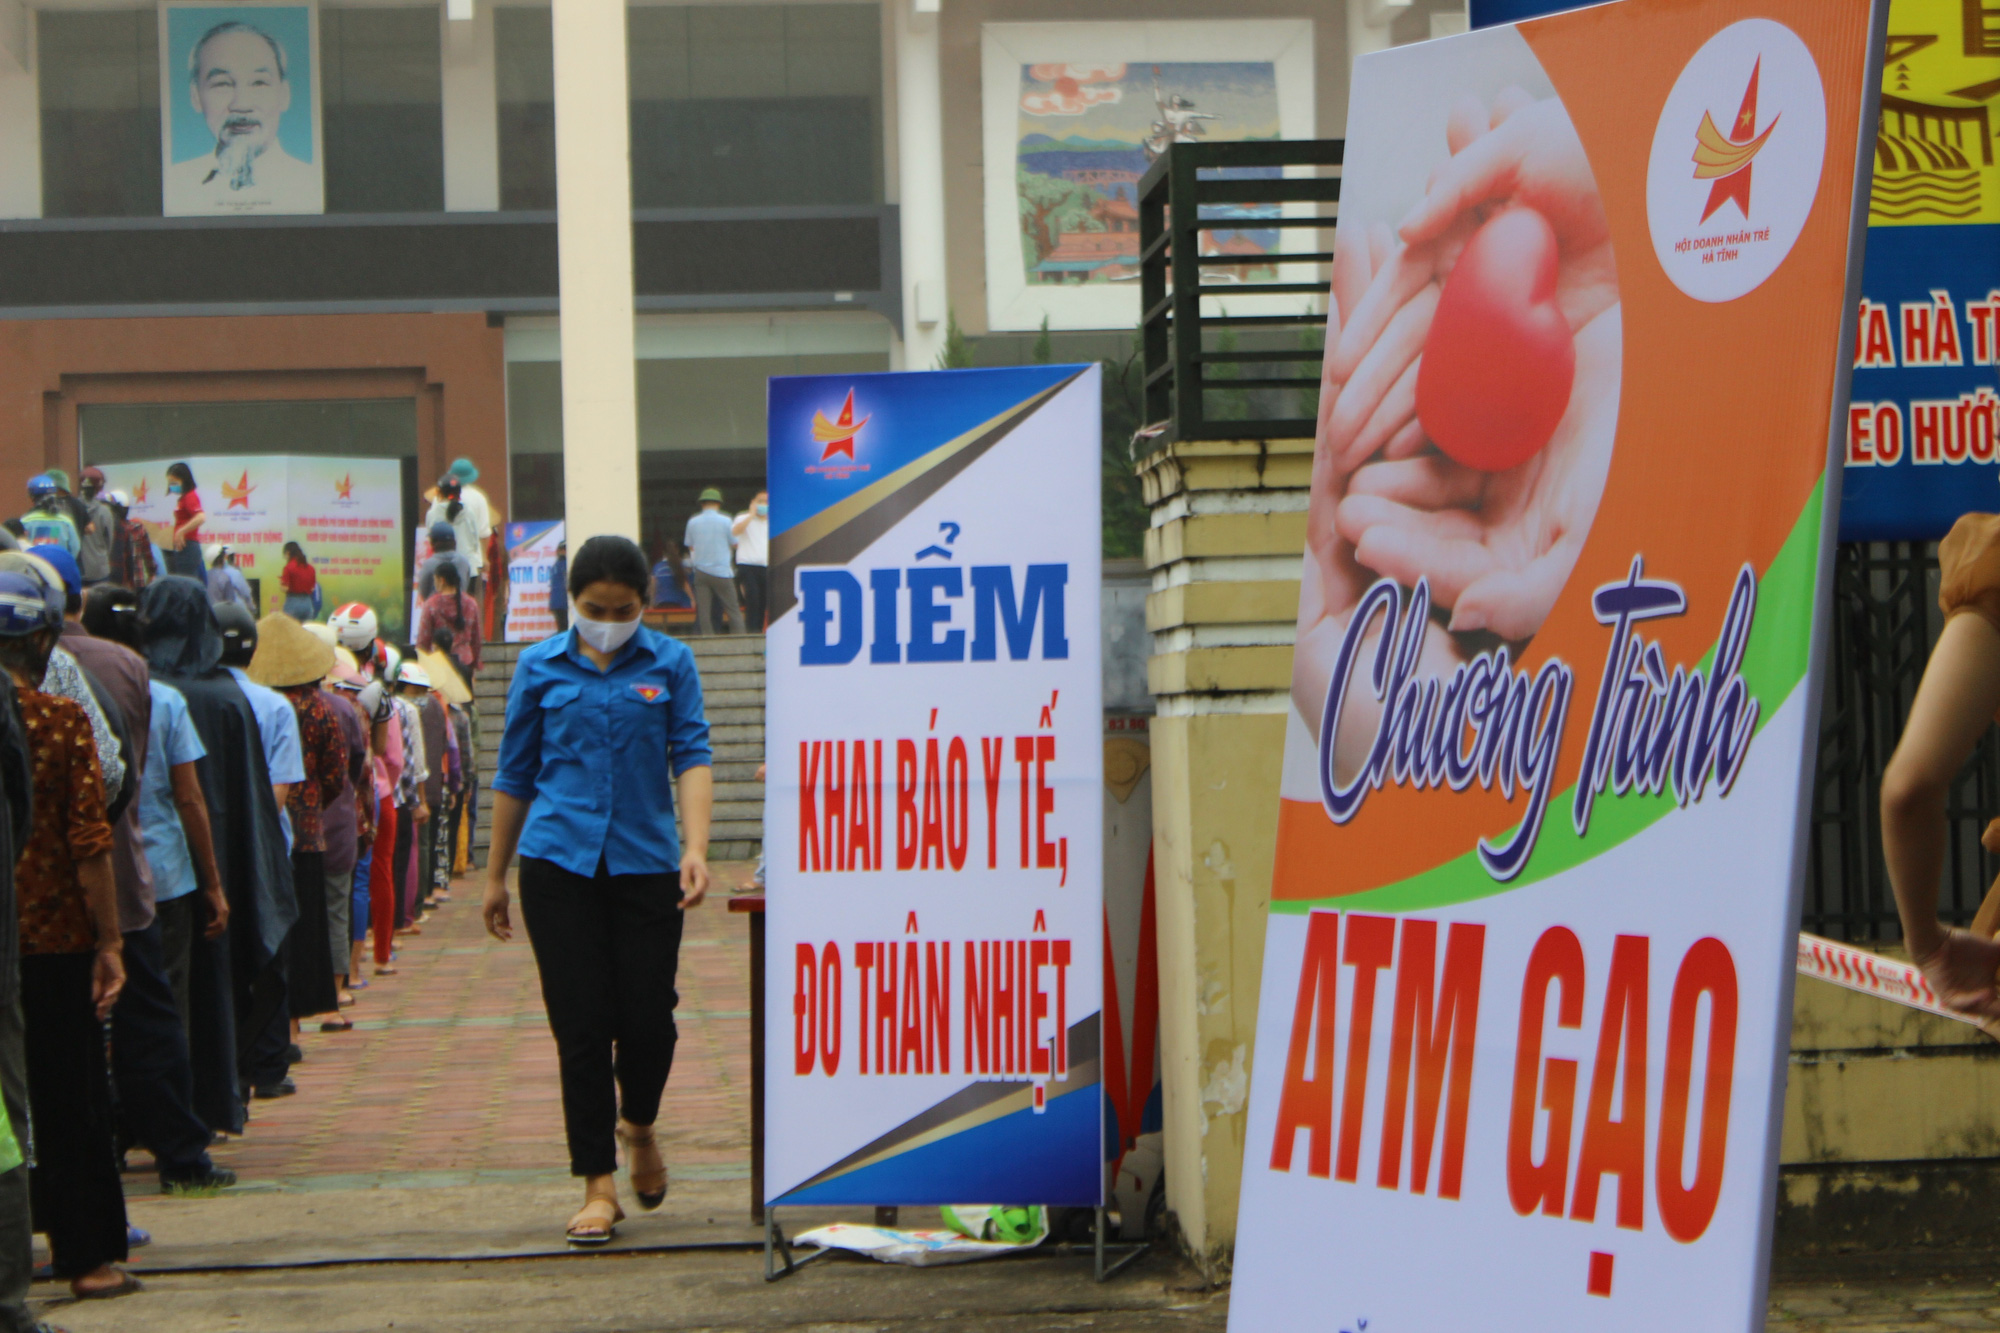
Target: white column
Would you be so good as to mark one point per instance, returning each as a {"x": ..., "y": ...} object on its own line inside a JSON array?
[
  {"x": 20, "y": 115},
  {"x": 471, "y": 113},
  {"x": 920, "y": 180},
  {"x": 594, "y": 258}
]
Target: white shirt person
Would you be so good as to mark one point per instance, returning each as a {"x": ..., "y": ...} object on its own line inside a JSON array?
[{"x": 239, "y": 82}]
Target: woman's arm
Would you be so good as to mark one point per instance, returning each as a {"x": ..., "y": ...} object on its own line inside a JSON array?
[
  {"x": 1954, "y": 705},
  {"x": 193, "y": 524},
  {"x": 696, "y": 805},
  {"x": 509, "y": 813}
]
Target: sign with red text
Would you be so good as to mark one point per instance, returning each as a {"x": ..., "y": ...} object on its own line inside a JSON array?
[
  {"x": 346, "y": 514},
  {"x": 934, "y": 807},
  {"x": 1527, "y": 976}
]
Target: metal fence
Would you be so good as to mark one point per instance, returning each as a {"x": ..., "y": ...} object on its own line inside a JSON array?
[
  {"x": 1193, "y": 203},
  {"x": 1884, "y": 622}
]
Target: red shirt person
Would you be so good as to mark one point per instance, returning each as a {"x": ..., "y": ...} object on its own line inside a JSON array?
[
  {"x": 300, "y": 581},
  {"x": 185, "y": 556}
]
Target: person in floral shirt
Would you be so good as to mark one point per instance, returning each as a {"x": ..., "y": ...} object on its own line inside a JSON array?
[{"x": 72, "y": 965}]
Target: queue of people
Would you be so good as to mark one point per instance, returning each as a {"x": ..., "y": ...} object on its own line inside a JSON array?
[{"x": 205, "y": 816}]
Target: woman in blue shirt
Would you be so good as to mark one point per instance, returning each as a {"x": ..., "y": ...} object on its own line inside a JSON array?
[{"x": 601, "y": 720}]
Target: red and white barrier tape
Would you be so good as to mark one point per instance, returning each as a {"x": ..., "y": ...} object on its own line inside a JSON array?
[{"x": 1869, "y": 973}]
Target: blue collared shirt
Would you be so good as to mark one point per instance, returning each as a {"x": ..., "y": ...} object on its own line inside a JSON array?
[
  {"x": 278, "y": 725},
  {"x": 709, "y": 542},
  {"x": 595, "y": 753},
  {"x": 174, "y": 742}
]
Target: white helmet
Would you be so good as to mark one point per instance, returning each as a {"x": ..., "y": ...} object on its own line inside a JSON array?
[{"x": 354, "y": 625}]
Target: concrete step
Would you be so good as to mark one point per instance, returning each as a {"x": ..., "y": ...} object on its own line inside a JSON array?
[
  {"x": 731, "y": 698},
  {"x": 731, "y": 680}
]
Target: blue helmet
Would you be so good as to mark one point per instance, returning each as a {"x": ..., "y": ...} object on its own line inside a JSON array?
[
  {"x": 27, "y": 604},
  {"x": 41, "y": 486}
]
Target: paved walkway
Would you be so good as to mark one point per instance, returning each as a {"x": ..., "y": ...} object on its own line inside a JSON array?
[{"x": 450, "y": 1072}]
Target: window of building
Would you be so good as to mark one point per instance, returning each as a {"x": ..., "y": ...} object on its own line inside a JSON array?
[
  {"x": 739, "y": 106},
  {"x": 525, "y": 85},
  {"x": 350, "y": 428},
  {"x": 382, "y": 110},
  {"x": 733, "y": 106},
  {"x": 99, "y": 72}
]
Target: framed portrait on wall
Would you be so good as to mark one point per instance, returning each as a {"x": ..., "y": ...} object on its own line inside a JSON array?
[
  {"x": 240, "y": 122},
  {"x": 1072, "y": 116}
]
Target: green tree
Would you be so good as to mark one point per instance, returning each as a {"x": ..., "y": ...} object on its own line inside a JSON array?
[
  {"x": 1050, "y": 206},
  {"x": 1123, "y": 511},
  {"x": 1045, "y": 349},
  {"x": 957, "y": 352}
]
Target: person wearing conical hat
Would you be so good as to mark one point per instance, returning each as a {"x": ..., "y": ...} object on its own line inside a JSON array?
[{"x": 293, "y": 661}]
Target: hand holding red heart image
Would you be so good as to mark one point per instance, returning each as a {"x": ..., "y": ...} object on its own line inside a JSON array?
[{"x": 1475, "y": 376}]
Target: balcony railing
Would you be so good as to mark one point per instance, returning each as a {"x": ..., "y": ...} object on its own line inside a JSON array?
[{"x": 1200, "y": 206}]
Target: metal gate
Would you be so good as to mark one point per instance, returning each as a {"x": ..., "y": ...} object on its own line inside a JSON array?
[{"x": 1884, "y": 622}]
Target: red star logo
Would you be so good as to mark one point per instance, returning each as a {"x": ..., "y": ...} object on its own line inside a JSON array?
[
  {"x": 838, "y": 436},
  {"x": 1727, "y": 161},
  {"x": 238, "y": 495},
  {"x": 648, "y": 692}
]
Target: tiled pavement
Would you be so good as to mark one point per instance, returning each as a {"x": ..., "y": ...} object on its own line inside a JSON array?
[
  {"x": 440, "y": 1111},
  {"x": 449, "y": 1075}
]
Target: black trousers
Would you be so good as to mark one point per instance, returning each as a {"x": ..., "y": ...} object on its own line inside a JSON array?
[
  {"x": 74, "y": 1187},
  {"x": 204, "y": 995},
  {"x": 150, "y": 1063},
  {"x": 755, "y": 580},
  {"x": 607, "y": 947},
  {"x": 308, "y": 969}
]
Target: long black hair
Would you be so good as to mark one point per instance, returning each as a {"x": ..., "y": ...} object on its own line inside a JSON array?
[
  {"x": 181, "y": 471},
  {"x": 447, "y": 577},
  {"x": 451, "y": 490},
  {"x": 606, "y": 558},
  {"x": 295, "y": 551}
]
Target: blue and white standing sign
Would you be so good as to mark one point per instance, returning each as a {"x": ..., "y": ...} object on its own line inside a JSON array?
[{"x": 933, "y": 811}]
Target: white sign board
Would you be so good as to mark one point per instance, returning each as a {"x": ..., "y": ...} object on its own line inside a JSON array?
[{"x": 934, "y": 809}]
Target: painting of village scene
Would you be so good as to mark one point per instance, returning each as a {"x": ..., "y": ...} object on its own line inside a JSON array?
[{"x": 1088, "y": 133}]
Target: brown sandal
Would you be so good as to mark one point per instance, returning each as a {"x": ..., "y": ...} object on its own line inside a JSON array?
[
  {"x": 650, "y": 1184},
  {"x": 596, "y": 1222}
]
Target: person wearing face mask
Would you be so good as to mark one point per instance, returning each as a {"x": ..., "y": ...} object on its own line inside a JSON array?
[
  {"x": 601, "y": 721},
  {"x": 101, "y": 528},
  {"x": 185, "y": 556},
  {"x": 752, "y": 530}
]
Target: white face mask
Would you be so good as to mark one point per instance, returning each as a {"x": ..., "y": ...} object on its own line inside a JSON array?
[{"x": 606, "y": 636}]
